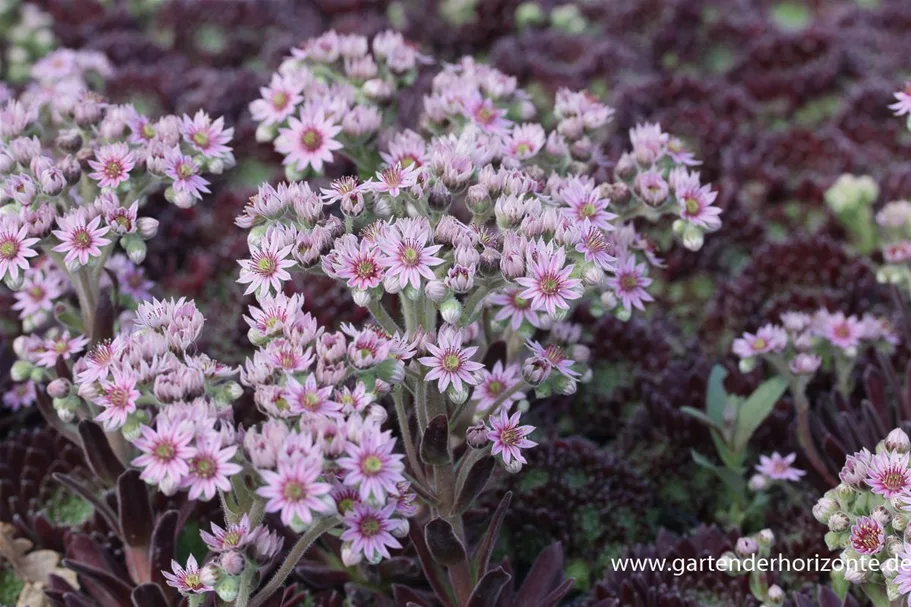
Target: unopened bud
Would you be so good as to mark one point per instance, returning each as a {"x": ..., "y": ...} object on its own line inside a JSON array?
[
  {"x": 897, "y": 441},
  {"x": 21, "y": 370},
  {"x": 513, "y": 467},
  {"x": 746, "y": 546},
  {"x": 233, "y": 562},
  {"x": 881, "y": 515},
  {"x": 147, "y": 227},
  {"x": 775, "y": 595},
  {"x": 476, "y": 436},
  {"x": 135, "y": 248},
  {"x": 59, "y": 388},
  {"x": 824, "y": 508},
  {"x": 758, "y": 482},
  {"x": 227, "y": 588},
  {"x": 839, "y": 521},
  {"x": 457, "y": 397},
  {"x": 765, "y": 538},
  {"x": 451, "y": 310}
]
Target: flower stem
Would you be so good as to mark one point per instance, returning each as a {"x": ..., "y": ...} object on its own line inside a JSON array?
[
  {"x": 382, "y": 316},
  {"x": 398, "y": 397},
  {"x": 297, "y": 552}
]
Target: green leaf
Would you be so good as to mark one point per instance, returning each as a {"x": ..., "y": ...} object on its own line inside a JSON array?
[
  {"x": 755, "y": 409},
  {"x": 716, "y": 398},
  {"x": 728, "y": 477},
  {"x": 702, "y": 417}
]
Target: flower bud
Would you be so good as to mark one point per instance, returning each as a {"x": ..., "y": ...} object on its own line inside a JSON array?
[
  {"x": 824, "y": 508},
  {"x": 565, "y": 385},
  {"x": 436, "y": 290},
  {"x": 147, "y": 227},
  {"x": 897, "y": 441},
  {"x": 135, "y": 248},
  {"x": 476, "y": 436},
  {"x": 894, "y": 546},
  {"x": 360, "y": 297},
  {"x": 881, "y": 515},
  {"x": 350, "y": 557},
  {"x": 855, "y": 575},
  {"x": 377, "y": 413},
  {"x": 746, "y": 365},
  {"x": 52, "y": 181},
  {"x": 14, "y": 284},
  {"x": 457, "y": 397},
  {"x": 775, "y": 595},
  {"x": 59, "y": 388},
  {"x": 746, "y": 546},
  {"x": 900, "y": 521},
  {"x": 69, "y": 141},
  {"x": 693, "y": 238},
  {"x": 535, "y": 370},
  {"x": 765, "y": 538},
  {"x": 451, "y": 310},
  {"x": 839, "y": 521},
  {"x": 593, "y": 275},
  {"x": 513, "y": 467},
  {"x": 758, "y": 482},
  {"x": 21, "y": 370},
  {"x": 233, "y": 562},
  {"x": 227, "y": 588}
]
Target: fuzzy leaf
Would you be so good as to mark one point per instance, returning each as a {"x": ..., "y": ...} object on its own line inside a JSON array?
[
  {"x": 489, "y": 540},
  {"x": 486, "y": 593},
  {"x": 756, "y": 408},
  {"x": 716, "y": 397},
  {"x": 135, "y": 513},
  {"x": 443, "y": 544},
  {"x": 434, "y": 447},
  {"x": 703, "y": 418},
  {"x": 98, "y": 452},
  {"x": 149, "y": 595},
  {"x": 474, "y": 482},
  {"x": 727, "y": 476}
]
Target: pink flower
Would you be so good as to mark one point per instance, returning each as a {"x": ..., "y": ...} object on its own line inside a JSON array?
[
  {"x": 289, "y": 355},
  {"x": 15, "y": 249},
  {"x": 586, "y": 205},
  {"x": 20, "y": 395},
  {"x": 112, "y": 165},
  {"x": 393, "y": 179},
  {"x": 903, "y": 105},
  {"x": 210, "y": 469},
  {"x": 118, "y": 398},
  {"x": 165, "y": 452},
  {"x": 779, "y": 468},
  {"x": 191, "y": 580},
  {"x": 903, "y": 578},
  {"x": 234, "y": 537},
  {"x": 407, "y": 257},
  {"x": 372, "y": 467},
  {"x": 266, "y": 267},
  {"x": 629, "y": 283},
  {"x": 841, "y": 331},
  {"x": 769, "y": 338},
  {"x": 888, "y": 474},
  {"x": 552, "y": 357},
  {"x": 61, "y": 346},
  {"x": 38, "y": 293},
  {"x": 309, "y": 399},
  {"x": 679, "y": 154},
  {"x": 508, "y": 437},
  {"x": 358, "y": 263},
  {"x": 295, "y": 491},
  {"x": 867, "y": 536},
  {"x": 486, "y": 115},
  {"x": 515, "y": 309},
  {"x": 308, "y": 140},
  {"x": 450, "y": 363},
  {"x": 695, "y": 200},
  {"x": 368, "y": 529},
  {"x": 548, "y": 285},
  {"x": 897, "y": 252},
  {"x": 279, "y": 100},
  {"x": 80, "y": 240},
  {"x": 184, "y": 171},
  {"x": 525, "y": 141},
  {"x": 595, "y": 248},
  {"x": 207, "y": 137},
  {"x": 805, "y": 364},
  {"x": 854, "y": 472},
  {"x": 495, "y": 383}
]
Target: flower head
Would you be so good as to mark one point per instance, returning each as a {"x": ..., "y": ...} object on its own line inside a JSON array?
[
  {"x": 888, "y": 474},
  {"x": 166, "y": 452},
  {"x": 867, "y": 536},
  {"x": 495, "y": 383},
  {"x": 779, "y": 468},
  {"x": 265, "y": 269},
  {"x": 184, "y": 172},
  {"x": 369, "y": 530},
  {"x": 191, "y": 580},
  {"x": 112, "y": 165},
  {"x": 206, "y": 136},
  {"x": 903, "y": 104},
  {"x": 210, "y": 468},
  {"x": 769, "y": 338},
  {"x": 295, "y": 491},
  {"x": 549, "y": 284},
  {"x": 118, "y": 398},
  {"x": 508, "y": 437},
  {"x": 372, "y": 467},
  {"x": 630, "y": 282},
  {"x": 450, "y": 363},
  {"x": 15, "y": 249},
  {"x": 515, "y": 308},
  {"x": 79, "y": 239},
  {"x": 309, "y": 140}
]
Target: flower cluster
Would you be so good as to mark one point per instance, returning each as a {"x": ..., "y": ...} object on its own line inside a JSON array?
[
  {"x": 330, "y": 95},
  {"x": 867, "y": 516},
  {"x": 802, "y": 342}
]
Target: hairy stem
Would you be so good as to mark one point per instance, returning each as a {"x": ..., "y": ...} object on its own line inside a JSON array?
[
  {"x": 398, "y": 397},
  {"x": 381, "y": 316},
  {"x": 297, "y": 552}
]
